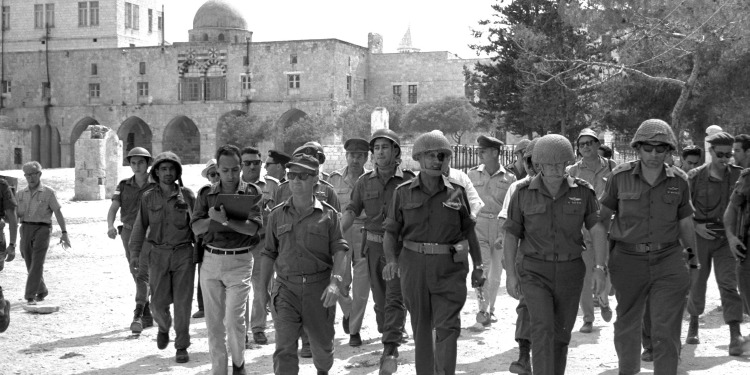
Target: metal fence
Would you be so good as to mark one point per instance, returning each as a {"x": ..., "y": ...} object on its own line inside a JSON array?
[{"x": 466, "y": 156}]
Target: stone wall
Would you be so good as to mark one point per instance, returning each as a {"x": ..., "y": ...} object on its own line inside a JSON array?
[{"x": 11, "y": 141}]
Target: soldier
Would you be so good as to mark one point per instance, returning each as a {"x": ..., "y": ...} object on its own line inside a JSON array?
[
  {"x": 8, "y": 206},
  {"x": 275, "y": 165},
  {"x": 691, "y": 157},
  {"x": 492, "y": 182},
  {"x": 164, "y": 222},
  {"x": 227, "y": 262},
  {"x": 737, "y": 227},
  {"x": 357, "y": 277},
  {"x": 710, "y": 188},
  {"x": 740, "y": 147},
  {"x": 595, "y": 170},
  {"x": 305, "y": 247},
  {"x": 372, "y": 195},
  {"x": 36, "y": 204},
  {"x": 126, "y": 199},
  {"x": 517, "y": 167},
  {"x": 651, "y": 202},
  {"x": 547, "y": 213},
  {"x": 431, "y": 214}
]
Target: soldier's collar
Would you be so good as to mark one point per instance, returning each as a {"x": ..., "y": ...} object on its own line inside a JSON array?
[
  {"x": 316, "y": 203},
  {"x": 216, "y": 188},
  {"x": 446, "y": 182},
  {"x": 537, "y": 183}
]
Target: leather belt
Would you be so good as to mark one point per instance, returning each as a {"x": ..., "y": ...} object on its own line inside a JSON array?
[
  {"x": 375, "y": 237},
  {"x": 646, "y": 247},
  {"x": 220, "y": 251},
  {"x": 428, "y": 248},
  {"x": 487, "y": 215},
  {"x": 553, "y": 257},
  {"x": 40, "y": 224},
  {"x": 306, "y": 279}
]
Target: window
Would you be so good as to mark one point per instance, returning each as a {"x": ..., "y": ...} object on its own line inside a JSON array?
[
  {"x": 83, "y": 14},
  {"x": 191, "y": 89},
  {"x": 205, "y": 37},
  {"x": 293, "y": 80},
  {"x": 142, "y": 88},
  {"x": 17, "y": 156},
  {"x": 412, "y": 94},
  {"x": 132, "y": 16},
  {"x": 38, "y": 16},
  {"x": 46, "y": 90},
  {"x": 160, "y": 22},
  {"x": 94, "y": 90},
  {"x": 349, "y": 86},
  {"x": 221, "y": 37},
  {"x": 142, "y": 67},
  {"x": 150, "y": 20},
  {"x": 246, "y": 81},
  {"x": 136, "y": 17},
  {"x": 397, "y": 93},
  {"x": 364, "y": 88},
  {"x": 94, "y": 70},
  {"x": 6, "y": 87},
  {"x": 93, "y": 13},
  {"x": 49, "y": 15},
  {"x": 6, "y": 18},
  {"x": 293, "y": 58}
]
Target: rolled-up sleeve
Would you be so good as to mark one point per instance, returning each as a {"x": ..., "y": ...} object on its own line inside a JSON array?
[
  {"x": 139, "y": 229},
  {"x": 514, "y": 222},
  {"x": 271, "y": 248},
  {"x": 355, "y": 203},
  {"x": 592, "y": 211},
  {"x": 336, "y": 240},
  {"x": 686, "y": 205},
  {"x": 394, "y": 220}
]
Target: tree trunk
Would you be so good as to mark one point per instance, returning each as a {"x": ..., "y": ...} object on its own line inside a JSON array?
[{"x": 687, "y": 88}]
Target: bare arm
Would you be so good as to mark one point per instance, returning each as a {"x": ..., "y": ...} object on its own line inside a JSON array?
[
  {"x": 347, "y": 219},
  {"x": 111, "y": 215},
  {"x": 510, "y": 250},
  {"x": 61, "y": 222},
  {"x": 687, "y": 232},
  {"x": 12, "y": 220}
]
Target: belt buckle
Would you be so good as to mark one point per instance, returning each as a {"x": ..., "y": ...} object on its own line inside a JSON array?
[
  {"x": 425, "y": 246},
  {"x": 304, "y": 279}
]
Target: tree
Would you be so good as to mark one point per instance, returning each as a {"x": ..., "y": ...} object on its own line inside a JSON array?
[
  {"x": 243, "y": 130},
  {"x": 313, "y": 127},
  {"x": 355, "y": 120},
  {"x": 451, "y": 115}
]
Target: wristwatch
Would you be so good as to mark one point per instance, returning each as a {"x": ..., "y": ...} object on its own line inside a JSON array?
[
  {"x": 479, "y": 267},
  {"x": 226, "y": 223},
  {"x": 338, "y": 277},
  {"x": 601, "y": 267}
]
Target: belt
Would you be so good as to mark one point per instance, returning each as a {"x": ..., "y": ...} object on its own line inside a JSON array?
[
  {"x": 555, "y": 257},
  {"x": 487, "y": 215},
  {"x": 375, "y": 237},
  {"x": 428, "y": 248},
  {"x": 646, "y": 247},
  {"x": 220, "y": 251},
  {"x": 37, "y": 224},
  {"x": 306, "y": 279},
  {"x": 169, "y": 247}
]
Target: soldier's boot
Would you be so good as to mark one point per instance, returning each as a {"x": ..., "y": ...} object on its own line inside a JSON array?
[
  {"x": 4, "y": 312},
  {"x": 389, "y": 361},
  {"x": 736, "y": 340},
  {"x": 523, "y": 364},
  {"x": 692, "y": 335},
  {"x": 137, "y": 325},
  {"x": 147, "y": 319}
]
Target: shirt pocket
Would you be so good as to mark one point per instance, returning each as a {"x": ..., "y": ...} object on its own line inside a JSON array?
[
  {"x": 412, "y": 212},
  {"x": 155, "y": 214},
  {"x": 630, "y": 205},
  {"x": 316, "y": 237},
  {"x": 179, "y": 217}
]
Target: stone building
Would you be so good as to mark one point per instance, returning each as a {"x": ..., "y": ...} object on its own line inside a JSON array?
[{"x": 70, "y": 64}]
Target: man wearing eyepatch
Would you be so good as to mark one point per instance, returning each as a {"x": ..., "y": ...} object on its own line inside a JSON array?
[
  {"x": 431, "y": 215},
  {"x": 306, "y": 248},
  {"x": 653, "y": 223},
  {"x": 710, "y": 188}
]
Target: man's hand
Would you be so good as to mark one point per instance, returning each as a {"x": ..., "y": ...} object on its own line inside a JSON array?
[
  {"x": 330, "y": 295},
  {"x": 391, "y": 271},
  {"x": 704, "y": 232},
  {"x": 11, "y": 253},
  {"x": 736, "y": 246},
  {"x": 65, "y": 241},
  {"x": 134, "y": 262},
  {"x": 218, "y": 215},
  {"x": 112, "y": 232},
  {"x": 477, "y": 278},
  {"x": 600, "y": 281},
  {"x": 512, "y": 286}
]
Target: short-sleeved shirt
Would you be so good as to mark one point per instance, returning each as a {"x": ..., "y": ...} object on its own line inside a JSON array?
[
  {"x": 741, "y": 194},
  {"x": 595, "y": 175},
  {"x": 475, "y": 202},
  {"x": 226, "y": 238},
  {"x": 343, "y": 184},
  {"x": 491, "y": 188},
  {"x": 303, "y": 243},
  {"x": 710, "y": 195},
  {"x": 323, "y": 191},
  {"x": 166, "y": 217},
  {"x": 7, "y": 198},
  {"x": 373, "y": 197},
  {"x": 646, "y": 213},
  {"x": 37, "y": 206},
  {"x": 443, "y": 217},
  {"x": 128, "y": 193},
  {"x": 548, "y": 225}
]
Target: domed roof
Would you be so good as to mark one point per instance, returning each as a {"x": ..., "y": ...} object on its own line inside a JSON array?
[{"x": 219, "y": 13}]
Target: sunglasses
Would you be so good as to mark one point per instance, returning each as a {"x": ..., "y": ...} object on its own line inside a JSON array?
[
  {"x": 724, "y": 154},
  {"x": 660, "y": 149},
  {"x": 213, "y": 174},
  {"x": 298, "y": 175},
  {"x": 248, "y": 163},
  {"x": 586, "y": 143}
]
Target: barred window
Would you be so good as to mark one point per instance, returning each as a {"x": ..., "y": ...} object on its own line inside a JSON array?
[
  {"x": 412, "y": 94},
  {"x": 142, "y": 88},
  {"x": 397, "y": 93},
  {"x": 94, "y": 90}
]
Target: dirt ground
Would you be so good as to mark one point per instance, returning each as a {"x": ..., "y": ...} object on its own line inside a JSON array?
[{"x": 90, "y": 334}]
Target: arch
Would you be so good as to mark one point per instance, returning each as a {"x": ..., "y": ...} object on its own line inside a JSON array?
[
  {"x": 287, "y": 119},
  {"x": 134, "y": 132},
  {"x": 205, "y": 37},
  {"x": 221, "y": 37},
  {"x": 182, "y": 137},
  {"x": 54, "y": 148},
  {"x": 76, "y": 133}
]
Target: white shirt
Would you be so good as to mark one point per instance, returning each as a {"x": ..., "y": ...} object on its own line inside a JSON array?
[
  {"x": 475, "y": 201},
  {"x": 506, "y": 202}
]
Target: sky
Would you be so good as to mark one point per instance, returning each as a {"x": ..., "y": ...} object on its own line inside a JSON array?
[{"x": 444, "y": 27}]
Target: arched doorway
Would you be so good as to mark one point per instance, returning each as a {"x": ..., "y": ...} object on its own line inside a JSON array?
[
  {"x": 77, "y": 130},
  {"x": 221, "y": 138},
  {"x": 286, "y": 120},
  {"x": 183, "y": 138},
  {"x": 134, "y": 132}
]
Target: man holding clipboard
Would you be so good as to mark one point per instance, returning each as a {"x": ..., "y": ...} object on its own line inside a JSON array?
[{"x": 228, "y": 216}]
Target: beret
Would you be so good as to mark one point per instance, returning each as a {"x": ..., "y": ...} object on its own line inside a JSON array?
[{"x": 489, "y": 142}]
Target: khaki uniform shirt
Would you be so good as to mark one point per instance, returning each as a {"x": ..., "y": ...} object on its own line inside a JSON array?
[
  {"x": 491, "y": 188},
  {"x": 710, "y": 196},
  {"x": 596, "y": 176},
  {"x": 166, "y": 217},
  {"x": 37, "y": 206},
  {"x": 128, "y": 193},
  {"x": 343, "y": 185},
  {"x": 218, "y": 235},
  {"x": 323, "y": 191},
  {"x": 374, "y": 198}
]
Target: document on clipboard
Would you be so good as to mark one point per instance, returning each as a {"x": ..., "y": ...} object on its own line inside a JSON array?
[{"x": 237, "y": 206}]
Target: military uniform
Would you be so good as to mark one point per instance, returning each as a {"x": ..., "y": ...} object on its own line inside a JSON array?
[
  {"x": 7, "y": 202},
  {"x": 302, "y": 245},
  {"x": 323, "y": 191},
  {"x": 646, "y": 262},
  {"x": 739, "y": 198}
]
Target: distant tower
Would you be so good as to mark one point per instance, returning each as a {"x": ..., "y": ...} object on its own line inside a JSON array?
[{"x": 405, "y": 46}]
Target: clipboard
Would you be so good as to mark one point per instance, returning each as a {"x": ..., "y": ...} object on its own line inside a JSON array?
[{"x": 238, "y": 206}]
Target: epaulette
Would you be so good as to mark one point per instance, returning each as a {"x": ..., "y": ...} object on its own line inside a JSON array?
[
  {"x": 403, "y": 184},
  {"x": 329, "y": 206},
  {"x": 335, "y": 173},
  {"x": 678, "y": 172},
  {"x": 277, "y": 206},
  {"x": 203, "y": 188},
  {"x": 582, "y": 182},
  {"x": 691, "y": 174},
  {"x": 324, "y": 182},
  {"x": 745, "y": 172},
  {"x": 284, "y": 183},
  {"x": 409, "y": 171},
  {"x": 623, "y": 167},
  {"x": 325, "y": 175},
  {"x": 274, "y": 179},
  {"x": 255, "y": 186}
]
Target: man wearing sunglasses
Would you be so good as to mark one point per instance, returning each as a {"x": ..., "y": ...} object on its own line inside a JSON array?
[
  {"x": 710, "y": 188},
  {"x": 595, "y": 170},
  {"x": 516, "y": 167},
  {"x": 652, "y": 225},
  {"x": 306, "y": 248},
  {"x": 276, "y": 165}
]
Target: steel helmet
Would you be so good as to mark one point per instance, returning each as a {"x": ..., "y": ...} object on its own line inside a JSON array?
[
  {"x": 432, "y": 141},
  {"x": 552, "y": 149},
  {"x": 139, "y": 151},
  {"x": 654, "y": 130},
  {"x": 166, "y": 156},
  {"x": 387, "y": 134}
]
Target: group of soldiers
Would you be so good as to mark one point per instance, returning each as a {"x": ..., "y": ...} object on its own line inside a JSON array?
[{"x": 570, "y": 229}]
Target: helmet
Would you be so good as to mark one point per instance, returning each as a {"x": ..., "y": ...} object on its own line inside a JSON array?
[
  {"x": 139, "y": 151},
  {"x": 166, "y": 156},
  {"x": 387, "y": 134},
  {"x": 654, "y": 130},
  {"x": 590, "y": 133},
  {"x": 552, "y": 149},
  {"x": 313, "y": 149},
  {"x": 432, "y": 141},
  {"x": 529, "y": 150}
]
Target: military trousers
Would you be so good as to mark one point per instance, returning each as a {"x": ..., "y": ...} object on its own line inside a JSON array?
[
  {"x": 523, "y": 324},
  {"x": 256, "y": 320},
  {"x": 661, "y": 278},
  {"x": 140, "y": 275},
  {"x": 356, "y": 281},
  {"x": 296, "y": 307},
  {"x": 488, "y": 231},
  {"x": 434, "y": 288},
  {"x": 743, "y": 278},
  {"x": 716, "y": 252},
  {"x": 171, "y": 278},
  {"x": 34, "y": 245},
  {"x": 390, "y": 312},
  {"x": 551, "y": 290}
]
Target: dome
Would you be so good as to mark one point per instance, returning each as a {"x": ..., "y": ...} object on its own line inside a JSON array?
[{"x": 219, "y": 14}]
